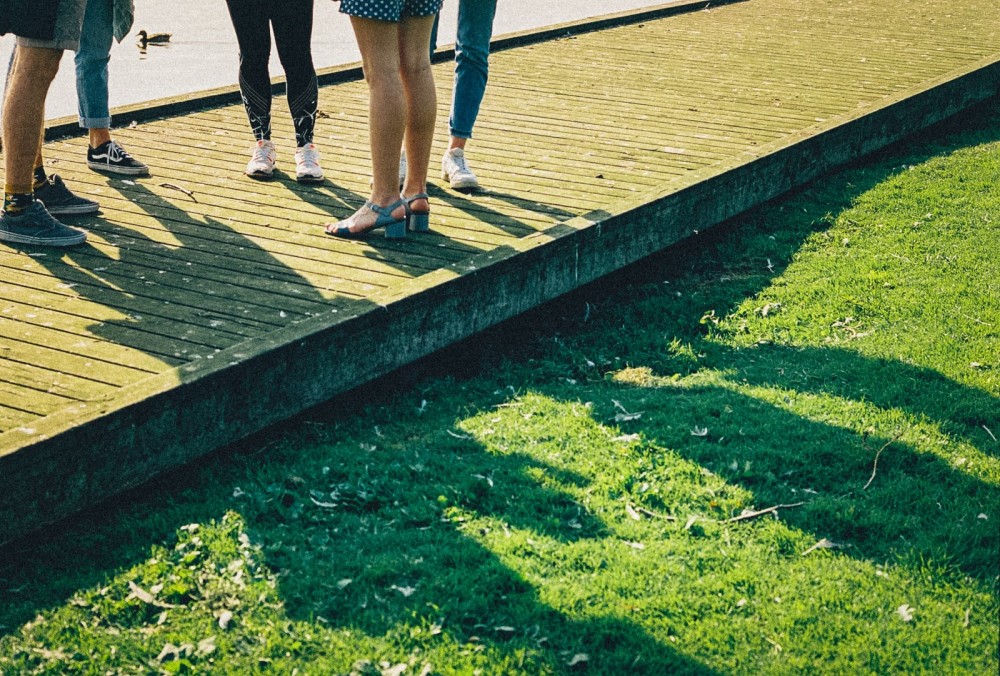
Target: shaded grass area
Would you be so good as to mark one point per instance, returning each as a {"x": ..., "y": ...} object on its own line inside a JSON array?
[{"x": 560, "y": 494}]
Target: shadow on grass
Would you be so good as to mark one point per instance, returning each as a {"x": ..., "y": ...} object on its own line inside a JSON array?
[{"x": 917, "y": 503}]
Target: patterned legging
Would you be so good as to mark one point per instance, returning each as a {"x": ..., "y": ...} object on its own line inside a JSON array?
[{"x": 292, "y": 23}]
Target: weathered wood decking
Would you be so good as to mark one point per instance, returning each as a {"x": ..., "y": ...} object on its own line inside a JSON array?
[{"x": 208, "y": 306}]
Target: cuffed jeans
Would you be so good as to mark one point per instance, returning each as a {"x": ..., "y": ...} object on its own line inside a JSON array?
[
  {"x": 472, "y": 53},
  {"x": 92, "y": 64}
]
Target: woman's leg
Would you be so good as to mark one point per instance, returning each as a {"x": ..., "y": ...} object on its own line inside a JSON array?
[
  {"x": 421, "y": 101},
  {"x": 251, "y": 20},
  {"x": 92, "y": 70},
  {"x": 292, "y": 21},
  {"x": 378, "y": 42}
]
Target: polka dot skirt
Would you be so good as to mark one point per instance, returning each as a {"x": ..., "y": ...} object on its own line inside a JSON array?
[{"x": 390, "y": 10}]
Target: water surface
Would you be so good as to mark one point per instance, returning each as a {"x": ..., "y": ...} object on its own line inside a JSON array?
[{"x": 203, "y": 54}]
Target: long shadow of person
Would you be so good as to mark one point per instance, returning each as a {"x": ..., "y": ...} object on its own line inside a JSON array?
[
  {"x": 184, "y": 283},
  {"x": 881, "y": 492}
]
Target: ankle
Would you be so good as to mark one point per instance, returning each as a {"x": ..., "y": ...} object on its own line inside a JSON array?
[{"x": 98, "y": 137}]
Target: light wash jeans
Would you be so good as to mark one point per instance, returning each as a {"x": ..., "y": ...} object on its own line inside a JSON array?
[
  {"x": 92, "y": 64},
  {"x": 472, "y": 54}
]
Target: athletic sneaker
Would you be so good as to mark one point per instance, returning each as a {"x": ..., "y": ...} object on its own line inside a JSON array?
[
  {"x": 112, "y": 158},
  {"x": 34, "y": 225},
  {"x": 261, "y": 164},
  {"x": 59, "y": 201},
  {"x": 307, "y": 169},
  {"x": 455, "y": 169}
]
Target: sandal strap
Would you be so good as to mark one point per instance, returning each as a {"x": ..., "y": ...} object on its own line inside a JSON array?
[
  {"x": 386, "y": 210},
  {"x": 408, "y": 201}
]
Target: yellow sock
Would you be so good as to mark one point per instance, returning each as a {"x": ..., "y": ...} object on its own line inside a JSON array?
[{"x": 17, "y": 198}]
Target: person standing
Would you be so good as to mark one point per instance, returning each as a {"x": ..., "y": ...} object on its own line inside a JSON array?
[
  {"x": 292, "y": 23},
  {"x": 103, "y": 21},
  {"x": 394, "y": 39},
  {"x": 472, "y": 55},
  {"x": 44, "y": 28}
]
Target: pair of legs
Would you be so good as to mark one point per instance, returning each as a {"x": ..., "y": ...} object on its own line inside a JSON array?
[
  {"x": 92, "y": 91},
  {"x": 402, "y": 107},
  {"x": 472, "y": 55},
  {"x": 292, "y": 22}
]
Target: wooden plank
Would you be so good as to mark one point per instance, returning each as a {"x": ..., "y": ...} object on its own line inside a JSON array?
[
  {"x": 13, "y": 418},
  {"x": 67, "y": 385}
]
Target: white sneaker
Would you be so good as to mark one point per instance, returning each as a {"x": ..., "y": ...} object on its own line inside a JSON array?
[
  {"x": 307, "y": 169},
  {"x": 455, "y": 169},
  {"x": 261, "y": 164}
]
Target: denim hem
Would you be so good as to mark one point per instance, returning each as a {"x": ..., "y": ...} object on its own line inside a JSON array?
[
  {"x": 95, "y": 122},
  {"x": 65, "y": 44}
]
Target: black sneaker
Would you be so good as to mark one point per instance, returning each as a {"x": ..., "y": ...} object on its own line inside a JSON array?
[
  {"x": 60, "y": 201},
  {"x": 34, "y": 225},
  {"x": 112, "y": 158}
]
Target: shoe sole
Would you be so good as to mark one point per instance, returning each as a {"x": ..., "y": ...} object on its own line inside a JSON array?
[
  {"x": 463, "y": 184},
  {"x": 123, "y": 171},
  {"x": 260, "y": 175},
  {"x": 76, "y": 210},
  {"x": 15, "y": 238},
  {"x": 310, "y": 179}
]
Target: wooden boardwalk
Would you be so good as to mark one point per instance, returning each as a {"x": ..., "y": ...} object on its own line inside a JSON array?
[{"x": 207, "y": 306}]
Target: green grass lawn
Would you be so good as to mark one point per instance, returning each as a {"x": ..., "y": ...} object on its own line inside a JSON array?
[{"x": 571, "y": 501}]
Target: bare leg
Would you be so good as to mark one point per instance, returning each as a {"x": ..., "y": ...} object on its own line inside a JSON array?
[
  {"x": 99, "y": 137},
  {"x": 457, "y": 142},
  {"x": 386, "y": 104},
  {"x": 421, "y": 101},
  {"x": 24, "y": 113}
]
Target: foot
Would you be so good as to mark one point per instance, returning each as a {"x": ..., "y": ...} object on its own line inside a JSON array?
[
  {"x": 457, "y": 171},
  {"x": 110, "y": 157},
  {"x": 35, "y": 225},
  {"x": 307, "y": 169},
  {"x": 59, "y": 201},
  {"x": 418, "y": 211},
  {"x": 369, "y": 217},
  {"x": 261, "y": 164}
]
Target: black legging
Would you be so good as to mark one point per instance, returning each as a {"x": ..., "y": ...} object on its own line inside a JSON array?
[{"x": 292, "y": 21}]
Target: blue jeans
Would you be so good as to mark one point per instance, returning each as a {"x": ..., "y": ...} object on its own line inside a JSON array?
[
  {"x": 472, "y": 54},
  {"x": 92, "y": 65}
]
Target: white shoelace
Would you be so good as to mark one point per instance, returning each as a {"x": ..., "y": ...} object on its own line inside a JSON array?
[
  {"x": 308, "y": 157},
  {"x": 460, "y": 165},
  {"x": 116, "y": 153},
  {"x": 262, "y": 155}
]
